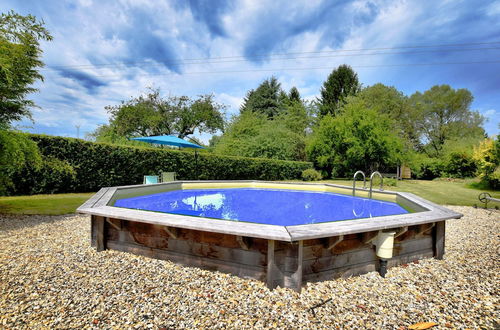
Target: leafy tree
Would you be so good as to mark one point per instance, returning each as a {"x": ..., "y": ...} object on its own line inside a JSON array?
[
  {"x": 390, "y": 101},
  {"x": 20, "y": 58},
  {"x": 445, "y": 114},
  {"x": 252, "y": 134},
  {"x": 340, "y": 84},
  {"x": 151, "y": 114},
  {"x": 356, "y": 139},
  {"x": 267, "y": 99}
]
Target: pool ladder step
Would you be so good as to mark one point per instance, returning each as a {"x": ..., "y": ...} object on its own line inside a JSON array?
[{"x": 364, "y": 182}]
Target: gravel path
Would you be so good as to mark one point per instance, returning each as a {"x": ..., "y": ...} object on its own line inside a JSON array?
[{"x": 51, "y": 277}]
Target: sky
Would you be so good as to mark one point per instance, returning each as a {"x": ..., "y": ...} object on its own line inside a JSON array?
[{"x": 105, "y": 52}]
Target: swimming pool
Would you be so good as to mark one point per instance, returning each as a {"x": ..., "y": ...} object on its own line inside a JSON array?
[
  {"x": 285, "y": 234},
  {"x": 266, "y": 206}
]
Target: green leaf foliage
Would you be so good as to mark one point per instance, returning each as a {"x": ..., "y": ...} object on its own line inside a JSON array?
[
  {"x": 151, "y": 114},
  {"x": 311, "y": 174},
  {"x": 97, "y": 165},
  {"x": 253, "y": 134},
  {"x": 445, "y": 114},
  {"x": 487, "y": 157},
  {"x": 340, "y": 84},
  {"x": 16, "y": 151},
  {"x": 356, "y": 139},
  {"x": 267, "y": 99},
  {"x": 20, "y": 58}
]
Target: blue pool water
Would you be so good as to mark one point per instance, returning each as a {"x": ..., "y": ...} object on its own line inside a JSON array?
[{"x": 267, "y": 206}]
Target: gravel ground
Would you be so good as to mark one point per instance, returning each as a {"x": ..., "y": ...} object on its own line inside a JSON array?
[{"x": 51, "y": 277}]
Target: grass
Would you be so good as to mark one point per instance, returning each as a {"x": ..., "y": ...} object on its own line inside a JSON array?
[
  {"x": 456, "y": 192},
  {"x": 43, "y": 204}
]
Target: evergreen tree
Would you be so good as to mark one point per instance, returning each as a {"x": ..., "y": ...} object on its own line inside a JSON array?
[
  {"x": 340, "y": 84},
  {"x": 294, "y": 95},
  {"x": 266, "y": 99}
]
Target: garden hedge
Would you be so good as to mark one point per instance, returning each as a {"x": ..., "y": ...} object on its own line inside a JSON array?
[{"x": 99, "y": 165}]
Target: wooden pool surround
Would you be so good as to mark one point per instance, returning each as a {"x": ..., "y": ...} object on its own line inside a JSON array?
[{"x": 286, "y": 256}]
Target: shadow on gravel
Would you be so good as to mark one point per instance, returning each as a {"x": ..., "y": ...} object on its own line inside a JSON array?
[{"x": 14, "y": 222}]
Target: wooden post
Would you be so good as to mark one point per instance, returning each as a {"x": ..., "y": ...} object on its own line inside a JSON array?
[
  {"x": 297, "y": 275},
  {"x": 100, "y": 227},
  {"x": 438, "y": 239},
  {"x": 271, "y": 266}
]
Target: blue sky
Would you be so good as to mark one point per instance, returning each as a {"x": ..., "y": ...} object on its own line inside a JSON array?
[{"x": 107, "y": 51}]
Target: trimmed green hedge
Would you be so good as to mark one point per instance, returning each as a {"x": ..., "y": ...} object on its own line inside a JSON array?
[{"x": 99, "y": 165}]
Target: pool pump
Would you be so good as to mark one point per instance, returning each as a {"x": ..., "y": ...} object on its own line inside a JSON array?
[{"x": 384, "y": 246}]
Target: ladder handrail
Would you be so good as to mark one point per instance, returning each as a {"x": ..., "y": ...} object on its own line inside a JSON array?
[
  {"x": 371, "y": 182},
  {"x": 354, "y": 181}
]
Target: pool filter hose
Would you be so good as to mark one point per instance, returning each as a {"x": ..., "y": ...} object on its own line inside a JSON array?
[{"x": 383, "y": 267}]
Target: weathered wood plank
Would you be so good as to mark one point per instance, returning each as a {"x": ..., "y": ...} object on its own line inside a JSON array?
[
  {"x": 271, "y": 267},
  {"x": 438, "y": 237},
  {"x": 363, "y": 268},
  {"x": 327, "y": 260},
  {"x": 92, "y": 200},
  {"x": 199, "y": 249},
  {"x": 106, "y": 197},
  {"x": 295, "y": 280},
  {"x": 100, "y": 228},
  {"x": 234, "y": 268},
  {"x": 196, "y": 223}
]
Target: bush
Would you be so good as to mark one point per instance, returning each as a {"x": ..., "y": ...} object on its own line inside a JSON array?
[
  {"x": 459, "y": 165},
  {"x": 390, "y": 182},
  {"x": 428, "y": 168},
  {"x": 97, "y": 165},
  {"x": 487, "y": 157},
  {"x": 16, "y": 151},
  {"x": 311, "y": 174},
  {"x": 53, "y": 176}
]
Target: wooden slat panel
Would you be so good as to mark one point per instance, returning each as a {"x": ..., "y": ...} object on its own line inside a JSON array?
[
  {"x": 189, "y": 247},
  {"x": 241, "y": 270},
  {"x": 364, "y": 268},
  {"x": 196, "y": 223}
]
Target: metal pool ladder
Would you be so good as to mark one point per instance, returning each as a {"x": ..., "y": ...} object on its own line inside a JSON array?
[
  {"x": 371, "y": 182},
  {"x": 354, "y": 181}
]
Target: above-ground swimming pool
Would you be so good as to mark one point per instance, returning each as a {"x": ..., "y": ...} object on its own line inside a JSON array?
[
  {"x": 285, "y": 234},
  {"x": 267, "y": 206}
]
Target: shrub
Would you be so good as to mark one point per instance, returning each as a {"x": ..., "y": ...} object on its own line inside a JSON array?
[
  {"x": 53, "y": 176},
  {"x": 97, "y": 165},
  {"x": 311, "y": 174},
  {"x": 487, "y": 157},
  {"x": 459, "y": 165},
  {"x": 428, "y": 168},
  {"x": 390, "y": 182}
]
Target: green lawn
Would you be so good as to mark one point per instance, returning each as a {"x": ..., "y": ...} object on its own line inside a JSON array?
[
  {"x": 43, "y": 204},
  {"x": 437, "y": 191},
  {"x": 440, "y": 192}
]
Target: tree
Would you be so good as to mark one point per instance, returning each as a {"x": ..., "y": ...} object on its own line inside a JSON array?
[
  {"x": 266, "y": 99},
  {"x": 252, "y": 134},
  {"x": 487, "y": 157},
  {"x": 151, "y": 114},
  {"x": 341, "y": 83},
  {"x": 356, "y": 139},
  {"x": 390, "y": 101},
  {"x": 294, "y": 95},
  {"x": 445, "y": 114},
  {"x": 20, "y": 59}
]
